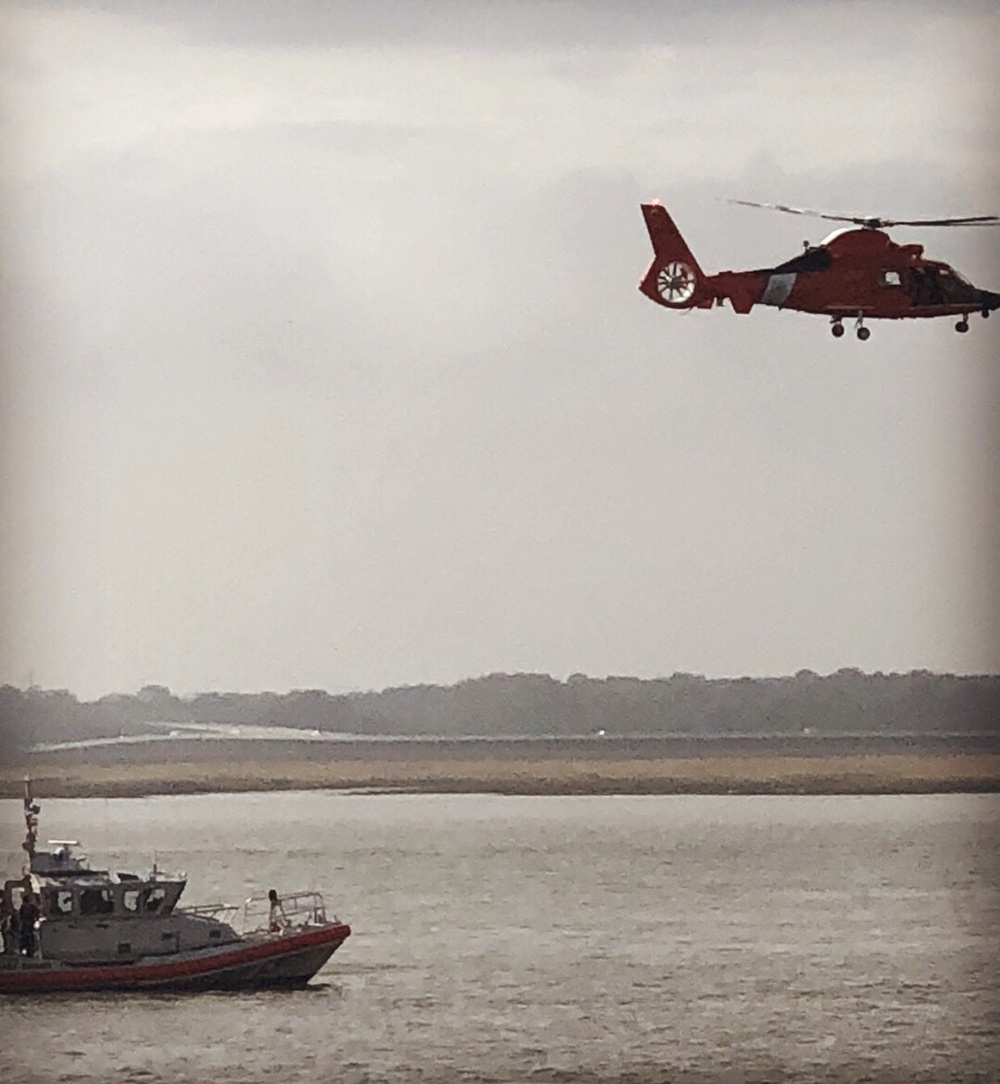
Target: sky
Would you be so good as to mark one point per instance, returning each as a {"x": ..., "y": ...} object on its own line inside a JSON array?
[{"x": 322, "y": 363}]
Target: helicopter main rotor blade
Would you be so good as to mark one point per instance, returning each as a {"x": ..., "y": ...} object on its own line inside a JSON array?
[
  {"x": 873, "y": 221},
  {"x": 799, "y": 211},
  {"x": 968, "y": 220}
]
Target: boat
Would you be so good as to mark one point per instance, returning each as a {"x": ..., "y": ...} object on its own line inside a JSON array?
[{"x": 88, "y": 929}]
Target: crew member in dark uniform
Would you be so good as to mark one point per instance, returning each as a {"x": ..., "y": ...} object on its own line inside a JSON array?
[{"x": 28, "y": 918}]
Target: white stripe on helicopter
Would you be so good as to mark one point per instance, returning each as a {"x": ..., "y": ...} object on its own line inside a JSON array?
[{"x": 777, "y": 289}]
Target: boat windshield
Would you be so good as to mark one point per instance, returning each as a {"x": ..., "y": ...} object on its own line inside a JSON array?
[
  {"x": 96, "y": 901},
  {"x": 147, "y": 900}
]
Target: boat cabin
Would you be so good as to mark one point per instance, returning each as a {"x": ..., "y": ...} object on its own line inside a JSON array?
[{"x": 125, "y": 899}]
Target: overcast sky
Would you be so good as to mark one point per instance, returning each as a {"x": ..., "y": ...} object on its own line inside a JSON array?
[{"x": 323, "y": 363}]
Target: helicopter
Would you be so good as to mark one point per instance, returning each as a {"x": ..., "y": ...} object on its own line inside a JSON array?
[{"x": 856, "y": 273}]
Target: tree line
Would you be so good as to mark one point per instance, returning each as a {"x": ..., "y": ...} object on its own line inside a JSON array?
[{"x": 505, "y": 705}]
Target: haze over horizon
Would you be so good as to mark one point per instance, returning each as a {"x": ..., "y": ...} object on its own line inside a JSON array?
[{"x": 322, "y": 363}]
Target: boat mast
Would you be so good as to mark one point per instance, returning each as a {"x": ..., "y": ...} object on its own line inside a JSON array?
[{"x": 31, "y": 811}]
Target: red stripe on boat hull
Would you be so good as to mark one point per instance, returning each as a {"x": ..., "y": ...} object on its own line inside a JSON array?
[{"x": 290, "y": 959}]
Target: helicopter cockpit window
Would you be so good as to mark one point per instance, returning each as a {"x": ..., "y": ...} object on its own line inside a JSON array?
[{"x": 890, "y": 278}]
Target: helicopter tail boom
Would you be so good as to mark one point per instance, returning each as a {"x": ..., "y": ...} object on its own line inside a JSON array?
[{"x": 673, "y": 278}]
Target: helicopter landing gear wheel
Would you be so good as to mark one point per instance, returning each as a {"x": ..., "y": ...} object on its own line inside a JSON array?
[
  {"x": 962, "y": 325},
  {"x": 863, "y": 333},
  {"x": 837, "y": 329},
  {"x": 859, "y": 326}
]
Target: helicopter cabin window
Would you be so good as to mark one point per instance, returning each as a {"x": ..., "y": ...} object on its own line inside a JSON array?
[
  {"x": 890, "y": 278},
  {"x": 130, "y": 900},
  {"x": 96, "y": 901}
]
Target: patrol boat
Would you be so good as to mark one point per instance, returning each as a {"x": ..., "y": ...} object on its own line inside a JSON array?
[{"x": 97, "y": 930}]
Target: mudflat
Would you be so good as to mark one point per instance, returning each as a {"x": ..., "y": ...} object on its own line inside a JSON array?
[{"x": 423, "y": 769}]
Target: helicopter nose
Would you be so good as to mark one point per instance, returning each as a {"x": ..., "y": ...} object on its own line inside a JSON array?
[{"x": 990, "y": 301}]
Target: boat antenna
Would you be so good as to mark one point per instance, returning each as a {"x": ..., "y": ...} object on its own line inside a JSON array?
[{"x": 31, "y": 811}]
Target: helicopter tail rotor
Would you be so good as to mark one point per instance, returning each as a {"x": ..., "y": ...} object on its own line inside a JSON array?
[{"x": 673, "y": 278}]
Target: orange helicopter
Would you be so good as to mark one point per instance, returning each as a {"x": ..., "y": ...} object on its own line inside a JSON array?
[{"x": 856, "y": 273}]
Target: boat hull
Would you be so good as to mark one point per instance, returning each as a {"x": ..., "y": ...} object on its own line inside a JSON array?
[{"x": 287, "y": 959}]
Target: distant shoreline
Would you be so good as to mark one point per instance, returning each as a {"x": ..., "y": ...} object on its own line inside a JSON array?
[{"x": 894, "y": 773}]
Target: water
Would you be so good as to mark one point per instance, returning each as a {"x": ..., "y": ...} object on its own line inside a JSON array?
[{"x": 595, "y": 939}]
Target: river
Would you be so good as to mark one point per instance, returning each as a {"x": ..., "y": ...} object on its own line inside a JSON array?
[{"x": 555, "y": 939}]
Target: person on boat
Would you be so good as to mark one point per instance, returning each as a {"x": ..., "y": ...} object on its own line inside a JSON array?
[
  {"x": 28, "y": 916},
  {"x": 8, "y": 923},
  {"x": 276, "y": 920}
]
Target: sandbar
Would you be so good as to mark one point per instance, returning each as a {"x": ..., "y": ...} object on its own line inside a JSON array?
[{"x": 863, "y": 774}]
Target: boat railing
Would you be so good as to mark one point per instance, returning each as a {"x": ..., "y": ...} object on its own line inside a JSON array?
[
  {"x": 297, "y": 909},
  {"x": 221, "y": 912}
]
